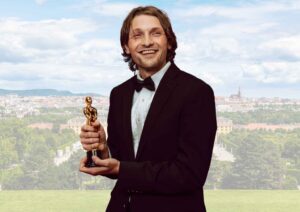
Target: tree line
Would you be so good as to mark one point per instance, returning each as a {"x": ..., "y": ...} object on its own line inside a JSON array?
[
  {"x": 263, "y": 160},
  {"x": 270, "y": 116}
]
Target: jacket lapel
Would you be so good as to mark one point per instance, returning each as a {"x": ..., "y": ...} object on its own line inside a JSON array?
[
  {"x": 127, "y": 101},
  {"x": 165, "y": 88}
]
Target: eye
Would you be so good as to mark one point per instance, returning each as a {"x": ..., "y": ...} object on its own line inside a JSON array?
[
  {"x": 137, "y": 35},
  {"x": 156, "y": 34}
]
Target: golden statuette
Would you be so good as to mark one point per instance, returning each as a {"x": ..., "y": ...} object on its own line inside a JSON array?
[
  {"x": 91, "y": 116},
  {"x": 89, "y": 111}
]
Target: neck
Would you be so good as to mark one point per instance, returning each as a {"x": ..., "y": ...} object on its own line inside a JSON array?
[{"x": 144, "y": 72}]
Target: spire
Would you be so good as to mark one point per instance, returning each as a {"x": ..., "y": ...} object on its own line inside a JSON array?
[{"x": 239, "y": 93}]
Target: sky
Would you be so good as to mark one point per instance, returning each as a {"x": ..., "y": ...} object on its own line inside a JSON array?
[{"x": 74, "y": 44}]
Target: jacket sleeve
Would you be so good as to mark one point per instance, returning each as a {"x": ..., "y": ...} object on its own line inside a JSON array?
[
  {"x": 112, "y": 136},
  {"x": 188, "y": 171}
]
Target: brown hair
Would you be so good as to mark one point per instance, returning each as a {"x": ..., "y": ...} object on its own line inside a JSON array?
[{"x": 165, "y": 23}]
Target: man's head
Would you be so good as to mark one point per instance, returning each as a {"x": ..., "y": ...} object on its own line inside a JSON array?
[{"x": 147, "y": 39}]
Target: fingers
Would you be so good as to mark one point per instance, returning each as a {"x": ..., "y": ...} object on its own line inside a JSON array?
[
  {"x": 89, "y": 134},
  {"x": 90, "y": 147},
  {"x": 92, "y": 171},
  {"x": 102, "y": 146},
  {"x": 95, "y": 170},
  {"x": 91, "y": 137},
  {"x": 104, "y": 167},
  {"x": 89, "y": 140},
  {"x": 99, "y": 162},
  {"x": 112, "y": 165},
  {"x": 88, "y": 128}
]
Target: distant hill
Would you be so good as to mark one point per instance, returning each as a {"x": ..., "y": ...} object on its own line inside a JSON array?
[{"x": 44, "y": 92}]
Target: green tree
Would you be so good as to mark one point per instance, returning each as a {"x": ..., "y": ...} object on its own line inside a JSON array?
[
  {"x": 291, "y": 150},
  {"x": 216, "y": 173},
  {"x": 258, "y": 165}
]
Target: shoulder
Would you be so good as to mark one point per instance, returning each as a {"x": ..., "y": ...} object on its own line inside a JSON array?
[
  {"x": 193, "y": 84},
  {"x": 121, "y": 88}
]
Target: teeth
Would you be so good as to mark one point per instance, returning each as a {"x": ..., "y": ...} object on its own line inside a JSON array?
[{"x": 148, "y": 52}]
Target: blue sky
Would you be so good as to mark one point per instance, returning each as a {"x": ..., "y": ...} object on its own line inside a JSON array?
[{"x": 74, "y": 44}]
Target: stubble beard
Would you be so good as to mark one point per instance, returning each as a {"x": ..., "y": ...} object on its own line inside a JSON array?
[{"x": 151, "y": 65}]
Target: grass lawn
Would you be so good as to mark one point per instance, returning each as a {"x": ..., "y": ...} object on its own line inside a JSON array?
[
  {"x": 252, "y": 200},
  {"x": 216, "y": 201}
]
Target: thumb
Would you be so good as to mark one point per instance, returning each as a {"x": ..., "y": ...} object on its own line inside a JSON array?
[
  {"x": 83, "y": 162},
  {"x": 97, "y": 160},
  {"x": 95, "y": 123}
]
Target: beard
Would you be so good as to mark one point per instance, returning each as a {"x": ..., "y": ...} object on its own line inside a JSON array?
[{"x": 150, "y": 63}]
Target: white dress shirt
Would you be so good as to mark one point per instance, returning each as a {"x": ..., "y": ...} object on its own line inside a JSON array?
[{"x": 141, "y": 104}]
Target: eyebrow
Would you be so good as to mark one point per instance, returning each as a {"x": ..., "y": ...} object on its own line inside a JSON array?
[{"x": 151, "y": 30}]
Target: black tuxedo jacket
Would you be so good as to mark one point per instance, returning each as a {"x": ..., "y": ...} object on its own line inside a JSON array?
[{"x": 175, "y": 148}]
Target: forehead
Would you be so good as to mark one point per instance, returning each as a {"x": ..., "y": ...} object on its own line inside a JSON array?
[{"x": 145, "y": 22}]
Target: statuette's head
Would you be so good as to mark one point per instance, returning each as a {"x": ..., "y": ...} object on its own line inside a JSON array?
[{"x": 88, "y": 100}]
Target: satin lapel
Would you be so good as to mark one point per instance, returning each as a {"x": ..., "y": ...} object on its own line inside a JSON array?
[
  {"x": 127, "y": 99},
  {"x": 165, "y": 88}
]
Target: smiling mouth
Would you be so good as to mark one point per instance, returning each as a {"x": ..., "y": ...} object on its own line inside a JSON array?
[{"x": 148, "y": 51}]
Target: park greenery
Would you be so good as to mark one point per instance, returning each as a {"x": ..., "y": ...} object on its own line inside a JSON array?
[
  {"x": 285, "y": 115},
  {"x": 263, "y": 159},
  {"x": 27, "y": 158}
]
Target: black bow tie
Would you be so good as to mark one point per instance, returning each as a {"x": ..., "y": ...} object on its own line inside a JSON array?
[{"x": 147, "y": 83}]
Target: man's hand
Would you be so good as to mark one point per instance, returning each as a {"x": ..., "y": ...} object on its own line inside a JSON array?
[
  {"x": 108, "y": 166},
  {"x": 94, "y": 137}
]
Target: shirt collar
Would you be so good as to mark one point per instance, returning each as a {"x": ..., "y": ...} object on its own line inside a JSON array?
[{"x": 157, "y": 76}]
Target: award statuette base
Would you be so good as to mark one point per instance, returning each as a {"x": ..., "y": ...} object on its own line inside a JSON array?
[{"x": 90, "y": 163}]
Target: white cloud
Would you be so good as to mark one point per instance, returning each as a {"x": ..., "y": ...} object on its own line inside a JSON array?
[
  {"x": 273, "y": 72},
  {"x": 40, "y": 2},
  {"x": 289, "y": 46},
  {"x": 238, "y": 28},
  {"x": 242, "y": 11},
  {"x": 243, "y": 45},
  {"x": 43, "y": 40},
  {"x": 254, "y": 43},
  {"x": 54, "y": 53},
  {"x": 76, "y": 78},
  {"x": 107, "y": 8}
]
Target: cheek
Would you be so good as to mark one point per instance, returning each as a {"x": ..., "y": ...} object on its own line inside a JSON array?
[
  {"x": 132, "y": 47},
  {"x": 164, "y": 44}
]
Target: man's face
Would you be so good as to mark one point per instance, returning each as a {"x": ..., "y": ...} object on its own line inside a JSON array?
[{"x": 147, "y": 43}]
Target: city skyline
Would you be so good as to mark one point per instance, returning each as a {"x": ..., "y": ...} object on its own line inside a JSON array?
[
  {"x": 74, "y": 45},
  {"x": 65, "y": 93}
]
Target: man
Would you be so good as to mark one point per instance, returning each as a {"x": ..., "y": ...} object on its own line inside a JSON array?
[{"x": 161, "y": 125}]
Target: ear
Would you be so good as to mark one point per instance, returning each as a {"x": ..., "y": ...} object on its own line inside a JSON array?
[{"x": 126, "y": 49}]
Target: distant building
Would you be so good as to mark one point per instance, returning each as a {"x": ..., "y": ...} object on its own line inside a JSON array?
[
  {"x": 269, "y": 127},
  {"x": 225, "y": 125},
  {"x": 74, "y": 124},
  {"x": 236, "y": 96},
  {"x": 222, "y": 154},
  {"x": 63, "y": 156}
]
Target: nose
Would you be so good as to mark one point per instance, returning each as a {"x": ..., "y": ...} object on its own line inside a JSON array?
[{"x": 147, "y": 41}]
